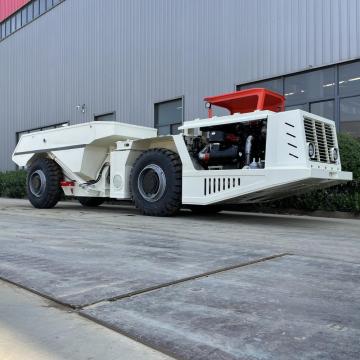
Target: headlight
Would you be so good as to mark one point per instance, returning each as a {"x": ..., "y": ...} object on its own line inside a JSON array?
[
  {"x": 334, "y": 155},
  {"x": 312, "y": 152}
]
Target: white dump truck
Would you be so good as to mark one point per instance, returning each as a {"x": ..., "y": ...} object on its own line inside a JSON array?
[{"x": 257, "y": 153}]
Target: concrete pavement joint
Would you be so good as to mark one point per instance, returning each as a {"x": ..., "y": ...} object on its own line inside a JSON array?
[
  {"x": 160, "y": 348},
  {"x": 180, "y": 281},
  {"x": 31, "y": 303},
  {"x": 77, "y": 308},
  {"x": 67, "y": 307},
  {"x": 124, "y": 333}
]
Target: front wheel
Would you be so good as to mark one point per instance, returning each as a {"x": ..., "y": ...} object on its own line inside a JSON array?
[
  {"x": 43, "y": 183},
  {"x": 155, "y": 182}
]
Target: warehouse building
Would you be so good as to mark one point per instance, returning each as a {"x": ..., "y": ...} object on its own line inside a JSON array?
[{"x": 151, "y": 62}]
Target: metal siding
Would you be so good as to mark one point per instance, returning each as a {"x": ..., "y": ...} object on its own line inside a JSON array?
[{"x": 126, "y": 55}]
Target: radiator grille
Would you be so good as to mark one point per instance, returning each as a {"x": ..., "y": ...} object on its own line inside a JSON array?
[
  {"x": 218, "y": 184},
  {"x": 322, "y": 135}
]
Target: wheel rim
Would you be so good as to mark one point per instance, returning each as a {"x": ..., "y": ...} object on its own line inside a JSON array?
[
  {"x": 37, "y": 183},
  {"x": 152, "y": 183}
]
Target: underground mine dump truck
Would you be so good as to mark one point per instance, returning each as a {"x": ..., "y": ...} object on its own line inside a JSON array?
[{"x": 257, "y": 153}]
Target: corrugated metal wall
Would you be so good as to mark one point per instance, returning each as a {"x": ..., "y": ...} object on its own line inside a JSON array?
[{"x": 124, "y": 55}]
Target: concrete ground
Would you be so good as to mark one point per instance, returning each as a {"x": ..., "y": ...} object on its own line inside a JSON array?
[
  {"x": 227, "y": 286},
  {"x": 34, "y": 328}
]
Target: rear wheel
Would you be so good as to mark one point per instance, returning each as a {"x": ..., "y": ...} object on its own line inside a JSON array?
[
  {"x": 43, "y": 183},
  {"x": 155, "y": 182},
  {"x": 205, "y": 209},
  {"x": 90, "y": 201}
]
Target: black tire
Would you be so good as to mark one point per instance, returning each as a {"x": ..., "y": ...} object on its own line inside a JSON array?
[
  {"x": 90, "y": 201},
  {"x": 43, "y": 183},
  {"x": 205, "y": 209},
  {"x": 155, "y": 182}
]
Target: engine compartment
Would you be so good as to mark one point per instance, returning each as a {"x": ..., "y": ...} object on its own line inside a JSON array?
[{"x": 231, "y": 146}]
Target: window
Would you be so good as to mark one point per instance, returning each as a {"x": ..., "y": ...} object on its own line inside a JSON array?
[
  {"x": 350, "y": 115},
  {"x": 30, "y": 12},
  {"x": 26, "y": 14},
  {"x": 105, "y": 117},
  {"x": 18, "y": 20},
  {"x": 304, "y": 107},
  {"x": 169, "y": 116},
  {"x": 325, "y": 109},
  {"x": 42, "y": 6},
  {"x": 13, "y": 24},
  {"x": 49, "y": 4},
  {"x": 332, "y": 92},
  {"x": 8, "y": 28},
  {"x": 36, "y": 8},
  {"x": 274, "y": 85},
  {"x": 2, "y": 31},
  {"x": 349, "y": 79},
  {"x": 309, "y": 86}
]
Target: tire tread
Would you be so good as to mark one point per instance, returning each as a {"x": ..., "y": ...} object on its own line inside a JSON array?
[
  {"x": 174, "y": 203},
  {"x": 53, "y": 175}
]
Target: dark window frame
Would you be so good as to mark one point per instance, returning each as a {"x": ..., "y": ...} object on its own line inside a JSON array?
[
  {"x": 321, "y": 101},
  {"x": 95, "y": 116},
  {"x": 157, "y": 103},
  {"x": 343, "y": 98}
]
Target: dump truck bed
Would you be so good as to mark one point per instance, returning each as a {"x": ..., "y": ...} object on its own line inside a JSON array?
[
  {"x": 76, "y": 139},
  {"x": 95, "y": 133}
]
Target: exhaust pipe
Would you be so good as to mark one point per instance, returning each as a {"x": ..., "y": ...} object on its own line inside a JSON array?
[{"x": 248, "y": 148}]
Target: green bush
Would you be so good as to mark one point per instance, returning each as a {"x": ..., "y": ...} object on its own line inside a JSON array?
[
  {"x": 345, "y": 197},
  {"x": 13, "y": 184},
  {"x": 350, "y": 154}
]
